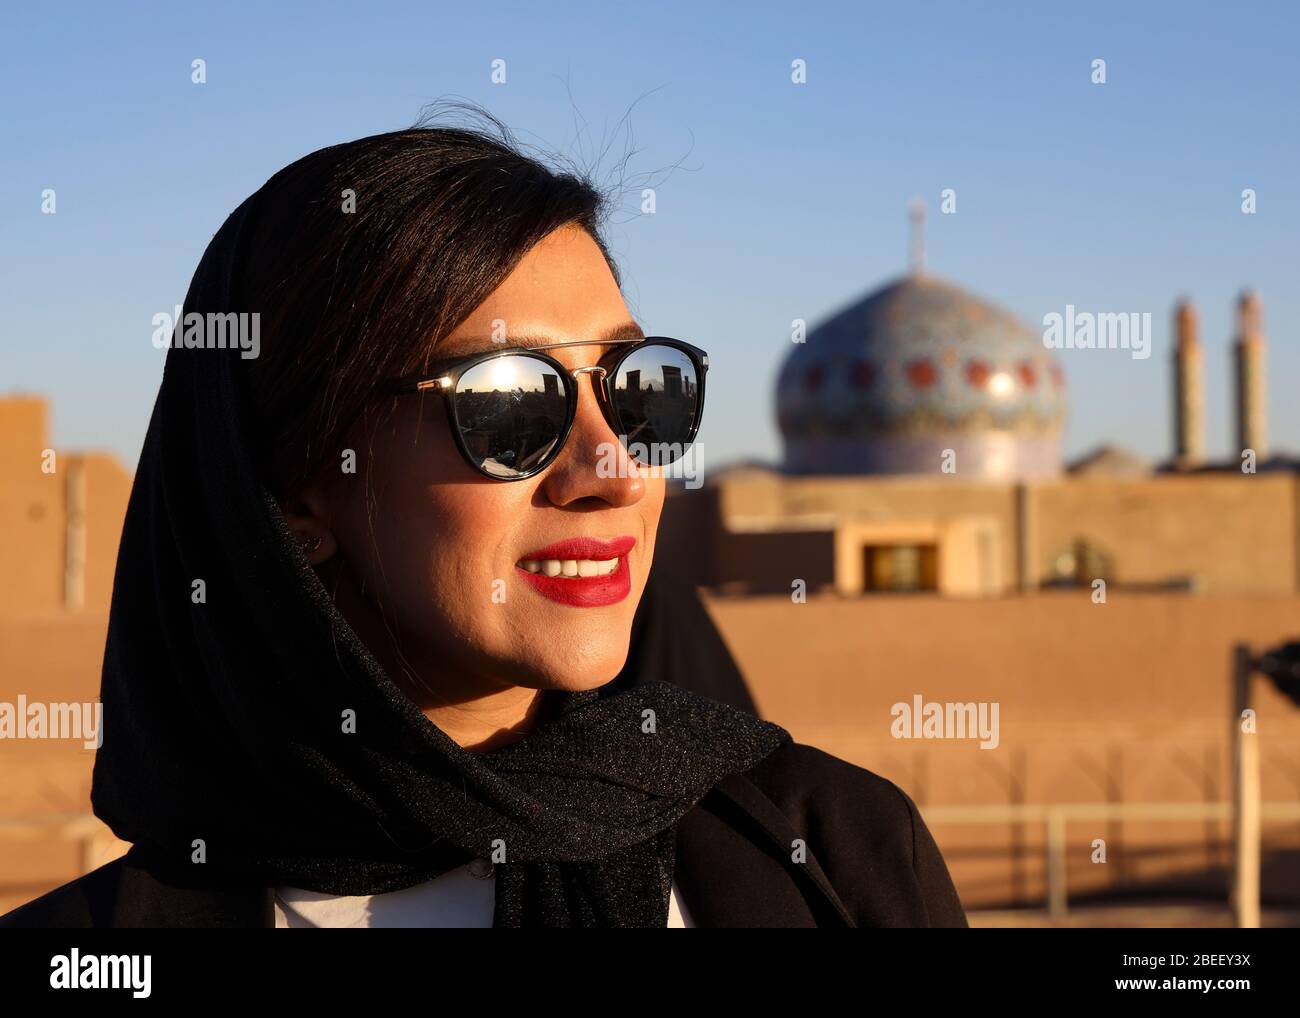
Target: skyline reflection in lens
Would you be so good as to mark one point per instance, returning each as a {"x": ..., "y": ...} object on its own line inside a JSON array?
[
  {"x": 511, "y": 411},
  {"x": 657, "y": 394}
]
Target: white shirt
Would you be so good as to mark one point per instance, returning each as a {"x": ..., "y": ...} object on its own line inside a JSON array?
[{"x": 459, "y": 898}]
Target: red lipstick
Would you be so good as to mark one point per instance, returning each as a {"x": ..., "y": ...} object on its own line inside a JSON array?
[{"x": 582, "y": 591}]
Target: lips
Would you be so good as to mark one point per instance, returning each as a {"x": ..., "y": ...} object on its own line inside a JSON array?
[{"x": 588, "y": 554}]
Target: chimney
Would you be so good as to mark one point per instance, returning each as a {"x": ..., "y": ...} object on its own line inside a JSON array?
[
  {"x": 1189, "y": 388},
  {"x": 1249, "y": 361}
]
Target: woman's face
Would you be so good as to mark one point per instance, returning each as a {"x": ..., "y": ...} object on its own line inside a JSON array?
[{"x": 430, "y": 574}]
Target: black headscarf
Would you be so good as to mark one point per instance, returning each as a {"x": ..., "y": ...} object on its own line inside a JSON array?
[{"x": 225, "y": 758}]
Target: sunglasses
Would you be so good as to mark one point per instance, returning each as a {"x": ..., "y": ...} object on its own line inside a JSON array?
[{"x": 511, "y": 410}]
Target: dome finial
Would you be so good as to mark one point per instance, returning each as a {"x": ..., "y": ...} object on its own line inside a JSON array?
[{"x": 916, "y": 256}]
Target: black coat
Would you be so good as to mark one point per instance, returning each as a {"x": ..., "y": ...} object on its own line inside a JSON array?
[{"x": 870, "y": 861}]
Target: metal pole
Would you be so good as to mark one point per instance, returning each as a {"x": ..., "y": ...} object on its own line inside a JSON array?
[
  {"x": 1245, "y": 797},
  {"x": 1056, "y": 892}
]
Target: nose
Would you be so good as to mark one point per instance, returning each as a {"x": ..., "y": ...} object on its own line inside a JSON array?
[{"x": 593, "y": 463}]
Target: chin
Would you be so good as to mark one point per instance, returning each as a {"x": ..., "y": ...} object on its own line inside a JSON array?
[{"x": 572, "y": 678}]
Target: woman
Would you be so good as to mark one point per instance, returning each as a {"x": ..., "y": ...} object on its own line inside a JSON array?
[{"x": 368, "y": 653}]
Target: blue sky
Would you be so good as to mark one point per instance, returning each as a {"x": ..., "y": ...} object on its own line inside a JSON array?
[{"x": 775, "y": 201}]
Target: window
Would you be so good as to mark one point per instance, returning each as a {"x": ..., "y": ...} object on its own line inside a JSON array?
[{"x": 900, "y": 567}]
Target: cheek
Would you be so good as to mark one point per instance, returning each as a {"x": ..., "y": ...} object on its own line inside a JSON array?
[
  {"x": 460, "y": 535},
  {"x": 439, "y": 549},
  {"x": 423, "y": 532}
]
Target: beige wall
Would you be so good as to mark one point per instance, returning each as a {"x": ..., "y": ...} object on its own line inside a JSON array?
[
  {"x": 1122, "y": 702},
  {"x": 1236, "y": 533},
  {"x": 33, "y": 514},
  {"x": 48, "y": 652},
  {"x": 947, "y": 504},
  {"x": 1227, "y": 532},
  {"x": 55, "y": 659}
]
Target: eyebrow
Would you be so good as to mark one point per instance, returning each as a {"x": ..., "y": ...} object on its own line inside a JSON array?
[{"x": 624, "y": 332}]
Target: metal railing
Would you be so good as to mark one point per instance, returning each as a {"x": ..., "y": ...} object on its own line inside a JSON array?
[{"x": 1055, "y": 817}]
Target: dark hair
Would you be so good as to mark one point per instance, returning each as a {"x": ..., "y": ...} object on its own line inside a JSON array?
[{"x": 442, "y": 215}]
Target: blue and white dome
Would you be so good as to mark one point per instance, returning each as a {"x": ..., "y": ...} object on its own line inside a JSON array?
[{"x": 920, "y": 367}]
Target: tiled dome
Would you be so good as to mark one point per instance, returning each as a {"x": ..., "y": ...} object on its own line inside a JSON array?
[{"x": 914, "y": 369}]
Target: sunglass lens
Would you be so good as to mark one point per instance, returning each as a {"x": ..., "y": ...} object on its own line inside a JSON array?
[
  {"x": 656, "y": 392},
  {"x": 511, "y": 411}
]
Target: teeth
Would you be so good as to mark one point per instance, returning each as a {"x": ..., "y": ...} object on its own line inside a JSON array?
[{"x": 571, "y": 568}]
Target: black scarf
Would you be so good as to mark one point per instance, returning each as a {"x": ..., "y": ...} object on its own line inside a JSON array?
[{"x": 224, "y": 736}]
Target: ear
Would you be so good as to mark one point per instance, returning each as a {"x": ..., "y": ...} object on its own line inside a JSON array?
[{"x": 308, "y": 518}]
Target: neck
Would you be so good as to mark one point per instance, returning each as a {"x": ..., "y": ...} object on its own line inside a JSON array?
[{"x": 489, "y": 722}]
